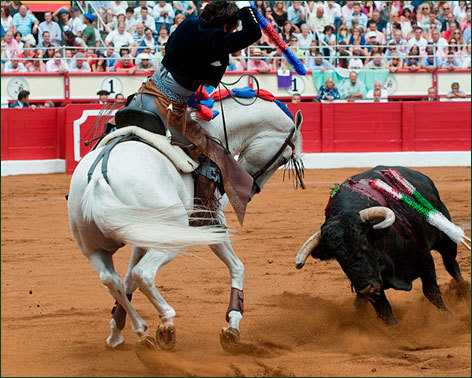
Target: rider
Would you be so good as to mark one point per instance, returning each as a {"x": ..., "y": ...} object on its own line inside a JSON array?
[{"x": 197, "y": 53}]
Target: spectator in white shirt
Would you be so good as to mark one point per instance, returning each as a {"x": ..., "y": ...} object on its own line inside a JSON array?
[
  {"x": 79, "y": 64},
  {"x": 418, "y": 40},
  {"x": 347, "y": 10},
  {"x": 120, "y": 37},
  {"x": 164, "y": 15},
  {"x": 147, "y": 20},
  {"x": 118, "y": 7},
  {"x": 14, "y": 65},
  {"x": 57, "y": 64},
  {"x": 355, "y": 63},
  {"x": 332, "y": 11},
  {"x": 377, "y": 86},
  {"x": 52, "y": 27},
  {"x": 318, "y": 21},
  {"x": 439, "y": 42},
  {"x": 75, "y": 23},
  {"x": 130, "y": 21},
  {"x": 304, "y": 38}
]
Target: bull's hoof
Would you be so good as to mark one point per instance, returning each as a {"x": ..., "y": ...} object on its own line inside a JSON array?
[
  {"x": 389, "y": 320},
  {"x": 165, "y": 337},
  {"x": 146, "y": 342},
  {"x": 229, "y": 340}
]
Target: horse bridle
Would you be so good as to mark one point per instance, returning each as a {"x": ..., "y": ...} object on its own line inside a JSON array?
[{"x": 260, "y": 172}]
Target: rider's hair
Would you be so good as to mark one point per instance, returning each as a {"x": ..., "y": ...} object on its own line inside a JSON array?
[{"x": 220, "y": 13}]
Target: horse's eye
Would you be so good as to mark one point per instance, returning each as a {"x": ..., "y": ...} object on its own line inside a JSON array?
[{"x": 283, "y": 161}]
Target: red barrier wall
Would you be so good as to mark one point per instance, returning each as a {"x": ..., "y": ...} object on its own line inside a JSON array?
[{"x": 342, "y": 127}]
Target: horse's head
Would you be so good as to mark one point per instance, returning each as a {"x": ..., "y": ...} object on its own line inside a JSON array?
[{"x": 270, "y": 150}]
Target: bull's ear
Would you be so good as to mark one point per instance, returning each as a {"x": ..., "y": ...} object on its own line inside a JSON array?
[{"x": 321, "y": 253}]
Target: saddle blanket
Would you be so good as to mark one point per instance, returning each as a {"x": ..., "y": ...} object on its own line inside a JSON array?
[{"x": 181, "y": 161}]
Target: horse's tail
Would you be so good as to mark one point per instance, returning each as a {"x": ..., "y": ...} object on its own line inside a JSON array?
[{"x": 148, "y": 228}]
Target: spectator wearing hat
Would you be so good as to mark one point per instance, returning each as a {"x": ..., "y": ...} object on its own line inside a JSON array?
[
  {"x": 14, "y": 66},
  {"x": 88, "y": 34},
  {"x": 76, "y": 25},
  {"x": 80, "y": 64},
  {"x": 23, "y": 101},
  {"x": 62, "y": 17},
  {"x": 27, "y": 24},
  {"x": 147, "y": 19},
  {"x": 456, "y": 92},
  {"x": 328, "y": 91},
  {"x": 120, "y": 37},
  {"x": 256, "y": 62},
  {"x": 103, "y": 96},
  {"x": 164, "y": 15},
  {"x": 52, "y": 27},
  {"x": 144, "y": 63},
  {"x": 319, "y": 63},
  {"x": 372, "y": 30},
  {"x": 126, "y": 65},
  {"x": 352, "y": 88},
  {"x": 57, "y": 64}
]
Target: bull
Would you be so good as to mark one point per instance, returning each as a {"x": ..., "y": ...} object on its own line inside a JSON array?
[{"x": 382, "y": 243}]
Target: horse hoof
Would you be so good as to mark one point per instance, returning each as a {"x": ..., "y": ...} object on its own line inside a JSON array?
[
  {"x": 147, "y": 342},
  {"x": 113, "y": 343},
  {"x": 165, "y": 337},
  {"x": 229, "y": 340}
]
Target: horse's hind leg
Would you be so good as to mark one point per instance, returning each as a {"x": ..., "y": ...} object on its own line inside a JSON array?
[
  {"x": 102, "y": 262},
  {"x": 117, "y": 322},
  {"x": 144, "y": 274}
]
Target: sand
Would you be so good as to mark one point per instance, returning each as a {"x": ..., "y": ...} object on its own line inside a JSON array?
[{"x": 55, "y": 312}]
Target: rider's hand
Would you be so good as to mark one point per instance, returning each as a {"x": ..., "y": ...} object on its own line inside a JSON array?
[{"x": 243, "y": 4}]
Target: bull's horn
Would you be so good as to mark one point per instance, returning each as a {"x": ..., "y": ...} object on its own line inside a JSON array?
[
  {"x": 378, "y": 212},
  {"x": 306, "y": 249}
]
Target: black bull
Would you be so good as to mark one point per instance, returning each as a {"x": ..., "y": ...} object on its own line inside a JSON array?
[{"x": 389, "y": 256}]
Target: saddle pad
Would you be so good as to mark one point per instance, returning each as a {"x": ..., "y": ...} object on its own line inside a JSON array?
[{"x": 175, "y": 154}]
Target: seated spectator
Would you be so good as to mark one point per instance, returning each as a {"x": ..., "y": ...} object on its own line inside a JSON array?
[
  {"x": 450, "y": 63},
  {"x": 178, "y": 20},
  {"x": 186, "y": 8},
  {"x": 237, "y": 62},
  {"x": 52, "y": 28},
  {"x": 328, "y": 92},
  {"x": 395, "y": 63},
  {"x": 377, "y": 63},
  {"x": 318, "y": 21},
  {"x": 268, "y": 16},
  {"x": 431, "y": 63},
  {"x": 101, "y": 65},
  {"x": 450, "y": 25},
  {"x": 69, "y": 57},
  {"x": 377, "y": 86},
  {"x": 431, "y": 95},
  {"x": 130, "y": 21},
  {"x": 163, "y": 35},
  {"x": 139, "y": 34},
  {"x": 76, "y": 24},
  {"x": 88, "y": 33},
  {"x": 287, "y": 31},
  {"x": 304, "y": 38},
  {"x": 357, "y": 40},
  {"x": 91, "y": 57},
  {"x": 454, "y": 46},
  {"x": 355, "y": 63},
  {"x": 147, "y": 19},
  {"x": 159, "y": 55},
  {"x": 57, "y": 64},
  {"x": 49, "y": 54},
  {"x": 144, "y": 63},
  {"x": 17, "y": 36},
  {"x": 126, "y": 65},
  {"x": 71, "y": 40},
  {"x": 110, "y": 21},
  {"x": 279, "y": 13},
  {"x": 23, "y": 101},
  {"x": 373, "y": 32},
  {"x": 455, "y": 92},
  {"x": 14, "y": 66},
  {"x": 329, "y": 38},
  {"x": 377, "y": 95},
  {"x": 256, "y": 63},
  {"x": 103, "y": 96},
  {"x": 347, "y": 10},
  {"x": 357, "y": 15},
  {"x": 62, "y": 17},
  {"x": 439, "y": 43},
  {"x": 296, "y": 98},
  {"x": 148, "y": 41},
  {"x": 293, "y": 45},
  {"x": 27, "y": 24},
  {"x": 10, "y": 46},
  {"x": 79, "y": 64},
  {"x": 137, "y": 10},
  {"x": 418, "y": 40},
  {"x": 296, "y": 14},
  {"x": 344, "y": 57},
  {"x": 49, "y": 104},
  {"x": 120, "y": 98},
  {"x": 119, "y": 38},
  {"x": 320, "y": 64},
  {"x": 352, "y": 88},
  {"x": 37, "y": 64},
  {"x": 368, "y": 8},
  {"x": 164, "y": 15},
  {"x": 7, "y": 20},
  {"x": 465, "y": 57},
  {"x": 343, "y": 35},
  {"x": 405, "y": 21},
  {"x": 118, "y": 7},
  {"x": 412, "y": 61},
  {"x": 46, "y": 42}
]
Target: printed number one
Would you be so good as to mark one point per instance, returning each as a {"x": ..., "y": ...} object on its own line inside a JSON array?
[
  {"x": 111, "y": 86},
  {"x": 294, "y": 84}
]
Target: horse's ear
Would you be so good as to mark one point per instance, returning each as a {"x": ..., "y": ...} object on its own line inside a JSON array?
[{"x": 298, "y": 120}]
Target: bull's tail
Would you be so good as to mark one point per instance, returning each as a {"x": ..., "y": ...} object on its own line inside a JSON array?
[{"x": 164, "y": 228}]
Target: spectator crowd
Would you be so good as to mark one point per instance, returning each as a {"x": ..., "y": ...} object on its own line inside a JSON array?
[{"x": 131, "y": 36}]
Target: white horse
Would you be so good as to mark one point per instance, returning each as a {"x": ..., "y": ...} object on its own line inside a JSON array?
[{"x": 147, "y": 203}]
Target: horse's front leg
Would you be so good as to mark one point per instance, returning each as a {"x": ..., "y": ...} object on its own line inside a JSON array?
[
  {"x": 230, "y": 335},
  {"x": 118, "y": 320}
]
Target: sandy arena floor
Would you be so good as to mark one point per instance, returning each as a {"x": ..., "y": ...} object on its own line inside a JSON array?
[{"x": 55, "y": 312}]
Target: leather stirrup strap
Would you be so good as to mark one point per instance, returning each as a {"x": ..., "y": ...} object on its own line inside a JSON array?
[{"x": 236, "y": 302}]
